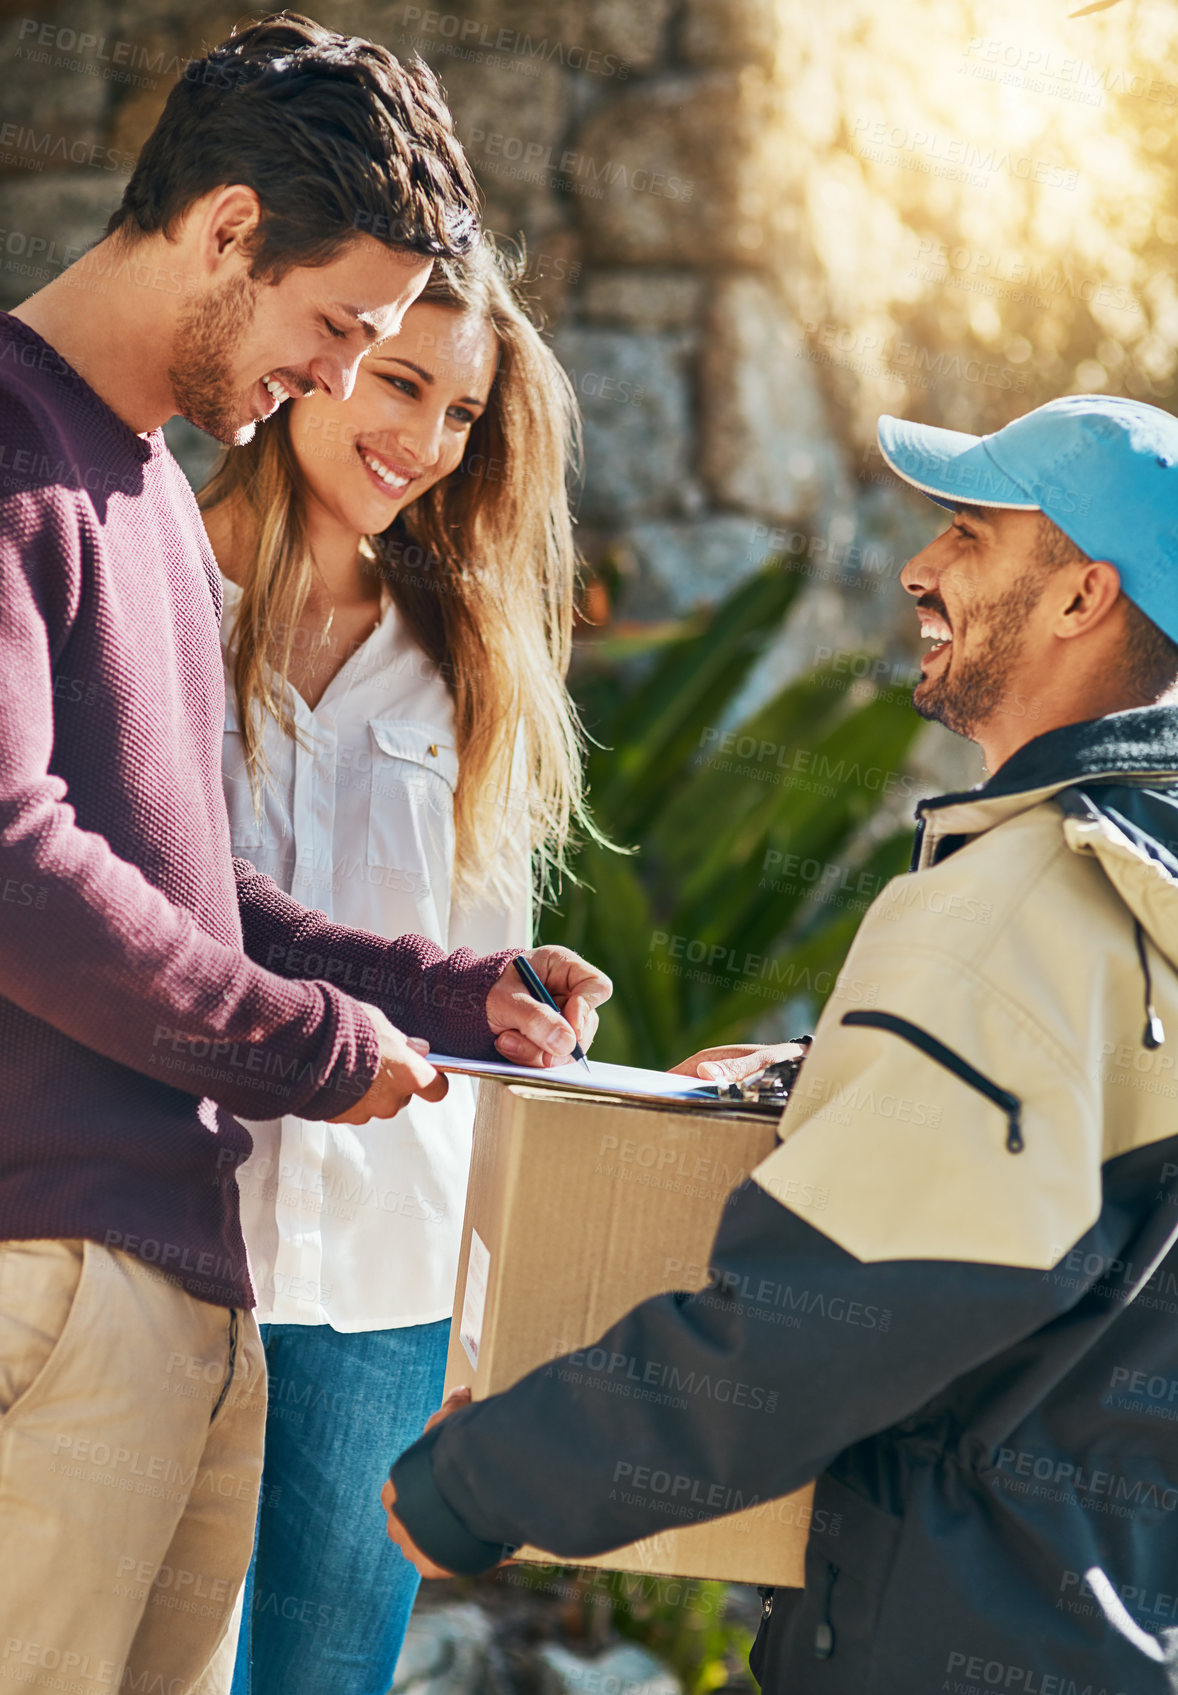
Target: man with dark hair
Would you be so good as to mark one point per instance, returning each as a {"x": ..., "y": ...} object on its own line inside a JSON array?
[
  {"x": 282, "y": 218},
  {"x": 969, "y": 1225},
  {"x": 347, "y": 172},
  {"x": 260, "y": 109}
]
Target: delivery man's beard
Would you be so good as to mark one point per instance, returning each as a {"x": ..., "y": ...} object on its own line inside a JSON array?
[
  {"x": 204, "y": 386},
  {"x": 970, "y": 691}
]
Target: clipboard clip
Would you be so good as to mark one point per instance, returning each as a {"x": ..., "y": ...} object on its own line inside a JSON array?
[{"x": 768, "y": 1090}]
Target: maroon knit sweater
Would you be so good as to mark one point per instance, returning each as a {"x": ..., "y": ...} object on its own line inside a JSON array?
[{"x": 150, "y": 985}]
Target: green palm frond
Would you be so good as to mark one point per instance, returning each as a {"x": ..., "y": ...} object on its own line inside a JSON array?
[{"x": 752, "y": 868}]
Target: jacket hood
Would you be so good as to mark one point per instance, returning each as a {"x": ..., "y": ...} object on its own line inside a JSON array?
[
  {"x": 1115, "y": 781},
  {"x": 1142, "y": 868},
  {"x": 1142, "y": 743}
]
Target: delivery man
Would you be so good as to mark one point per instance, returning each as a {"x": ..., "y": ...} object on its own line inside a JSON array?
[{"x": 972, "y": 1212}]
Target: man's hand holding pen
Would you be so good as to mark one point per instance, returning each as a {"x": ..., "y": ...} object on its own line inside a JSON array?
[{"x": 527, "y": 1032}]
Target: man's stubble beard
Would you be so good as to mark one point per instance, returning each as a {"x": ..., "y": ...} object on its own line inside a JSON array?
[
  {"x": 204, "y": 386},
  {"x": 962, "y": 699}
]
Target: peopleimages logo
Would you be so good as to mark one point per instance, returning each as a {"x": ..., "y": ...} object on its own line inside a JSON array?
[
  {"x": 812, "y": 762},
  {"x": 472, "y": 38},
  {"x": 40, "y": 145},
  {"x": 590, "y": 175},
  {"x": 977, "y": 1675},
  {"x": 931, "y": 151},
  {"x": 1103, "y": 1490},
  {"x": 97, "y": 54}
]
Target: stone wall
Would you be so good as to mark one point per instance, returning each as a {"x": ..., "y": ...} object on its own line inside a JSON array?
[
  {"x": 751, "y": 226},
  {"x": 634, "y": 146}
]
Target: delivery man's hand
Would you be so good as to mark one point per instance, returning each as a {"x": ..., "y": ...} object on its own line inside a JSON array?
[
  {"x": 388, "y": 1496},
  {"x": 736, "y": 1064},
  {"x": 529, "y": 1033},
  {"x": 459, "y": 1397},
  {"x": 403, "y": 1073},
  {"x": 399, "y": 1535}
]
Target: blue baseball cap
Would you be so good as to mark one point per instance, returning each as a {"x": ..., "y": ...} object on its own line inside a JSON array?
[{"x": 1101, "y": 467}]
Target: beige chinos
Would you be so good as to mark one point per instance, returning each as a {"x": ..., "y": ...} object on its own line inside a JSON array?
[{"x": 131, "y": 1427}]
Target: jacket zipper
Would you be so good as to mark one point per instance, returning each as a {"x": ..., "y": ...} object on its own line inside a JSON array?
[
  {"x": 1010, "y": 1104},
  {"x": 824, "y": 1633}
]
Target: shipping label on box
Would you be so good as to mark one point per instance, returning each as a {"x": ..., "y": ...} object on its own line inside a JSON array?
[
  {"x": 579, "y": 1208},
  {"x": 474, "y": 1301}
]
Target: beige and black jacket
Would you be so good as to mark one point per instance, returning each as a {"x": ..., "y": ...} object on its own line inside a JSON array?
[{"x": 968, "y": 1223}]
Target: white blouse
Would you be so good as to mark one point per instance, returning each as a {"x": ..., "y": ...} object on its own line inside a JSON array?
[{"x": 357, "y": 1226}]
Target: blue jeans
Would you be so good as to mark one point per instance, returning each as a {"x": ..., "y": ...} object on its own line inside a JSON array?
[{"x": 328, "y": 1596}]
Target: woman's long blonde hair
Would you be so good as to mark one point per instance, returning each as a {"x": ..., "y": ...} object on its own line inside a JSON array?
[{"x": 483, "y": 570}]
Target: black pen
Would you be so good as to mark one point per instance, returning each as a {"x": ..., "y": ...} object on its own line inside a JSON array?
[{"x": 539, "y": 993}]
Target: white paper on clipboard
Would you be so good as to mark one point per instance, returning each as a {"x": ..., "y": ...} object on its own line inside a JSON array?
[{"x": 601, "y": 1078}]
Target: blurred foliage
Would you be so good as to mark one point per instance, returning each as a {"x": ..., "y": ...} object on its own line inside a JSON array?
[
  {"x": 694, "y": 1626},
  {"x": 689, "y": 1626},
  {"x": 701, "y": 940},
  {"x": 980, "y": 201}
]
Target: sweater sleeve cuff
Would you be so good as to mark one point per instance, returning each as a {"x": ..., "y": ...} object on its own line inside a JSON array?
[
  {"x": 356, "y": 1059},
  {"x": 432, "y": 1522},
  {"x": 460, "y": 1025}
]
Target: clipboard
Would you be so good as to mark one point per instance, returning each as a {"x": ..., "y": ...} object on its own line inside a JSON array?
[{"x": 622, "y": 1082}]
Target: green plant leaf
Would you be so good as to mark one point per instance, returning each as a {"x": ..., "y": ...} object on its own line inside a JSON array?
[
  {"x": 755, "y": 862},
  {"x": 657, "y": 726}
]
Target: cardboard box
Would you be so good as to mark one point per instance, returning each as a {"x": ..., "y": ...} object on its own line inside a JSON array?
[{"x": 578, "y": 1208}]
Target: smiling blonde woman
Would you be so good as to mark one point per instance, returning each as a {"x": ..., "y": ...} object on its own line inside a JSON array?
[{"x": 400, "y": 752}]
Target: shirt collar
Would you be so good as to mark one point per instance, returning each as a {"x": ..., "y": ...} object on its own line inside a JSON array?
[
  {"x": 1137, "y": 749},
  {"x": 1141, "y": 743}
]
